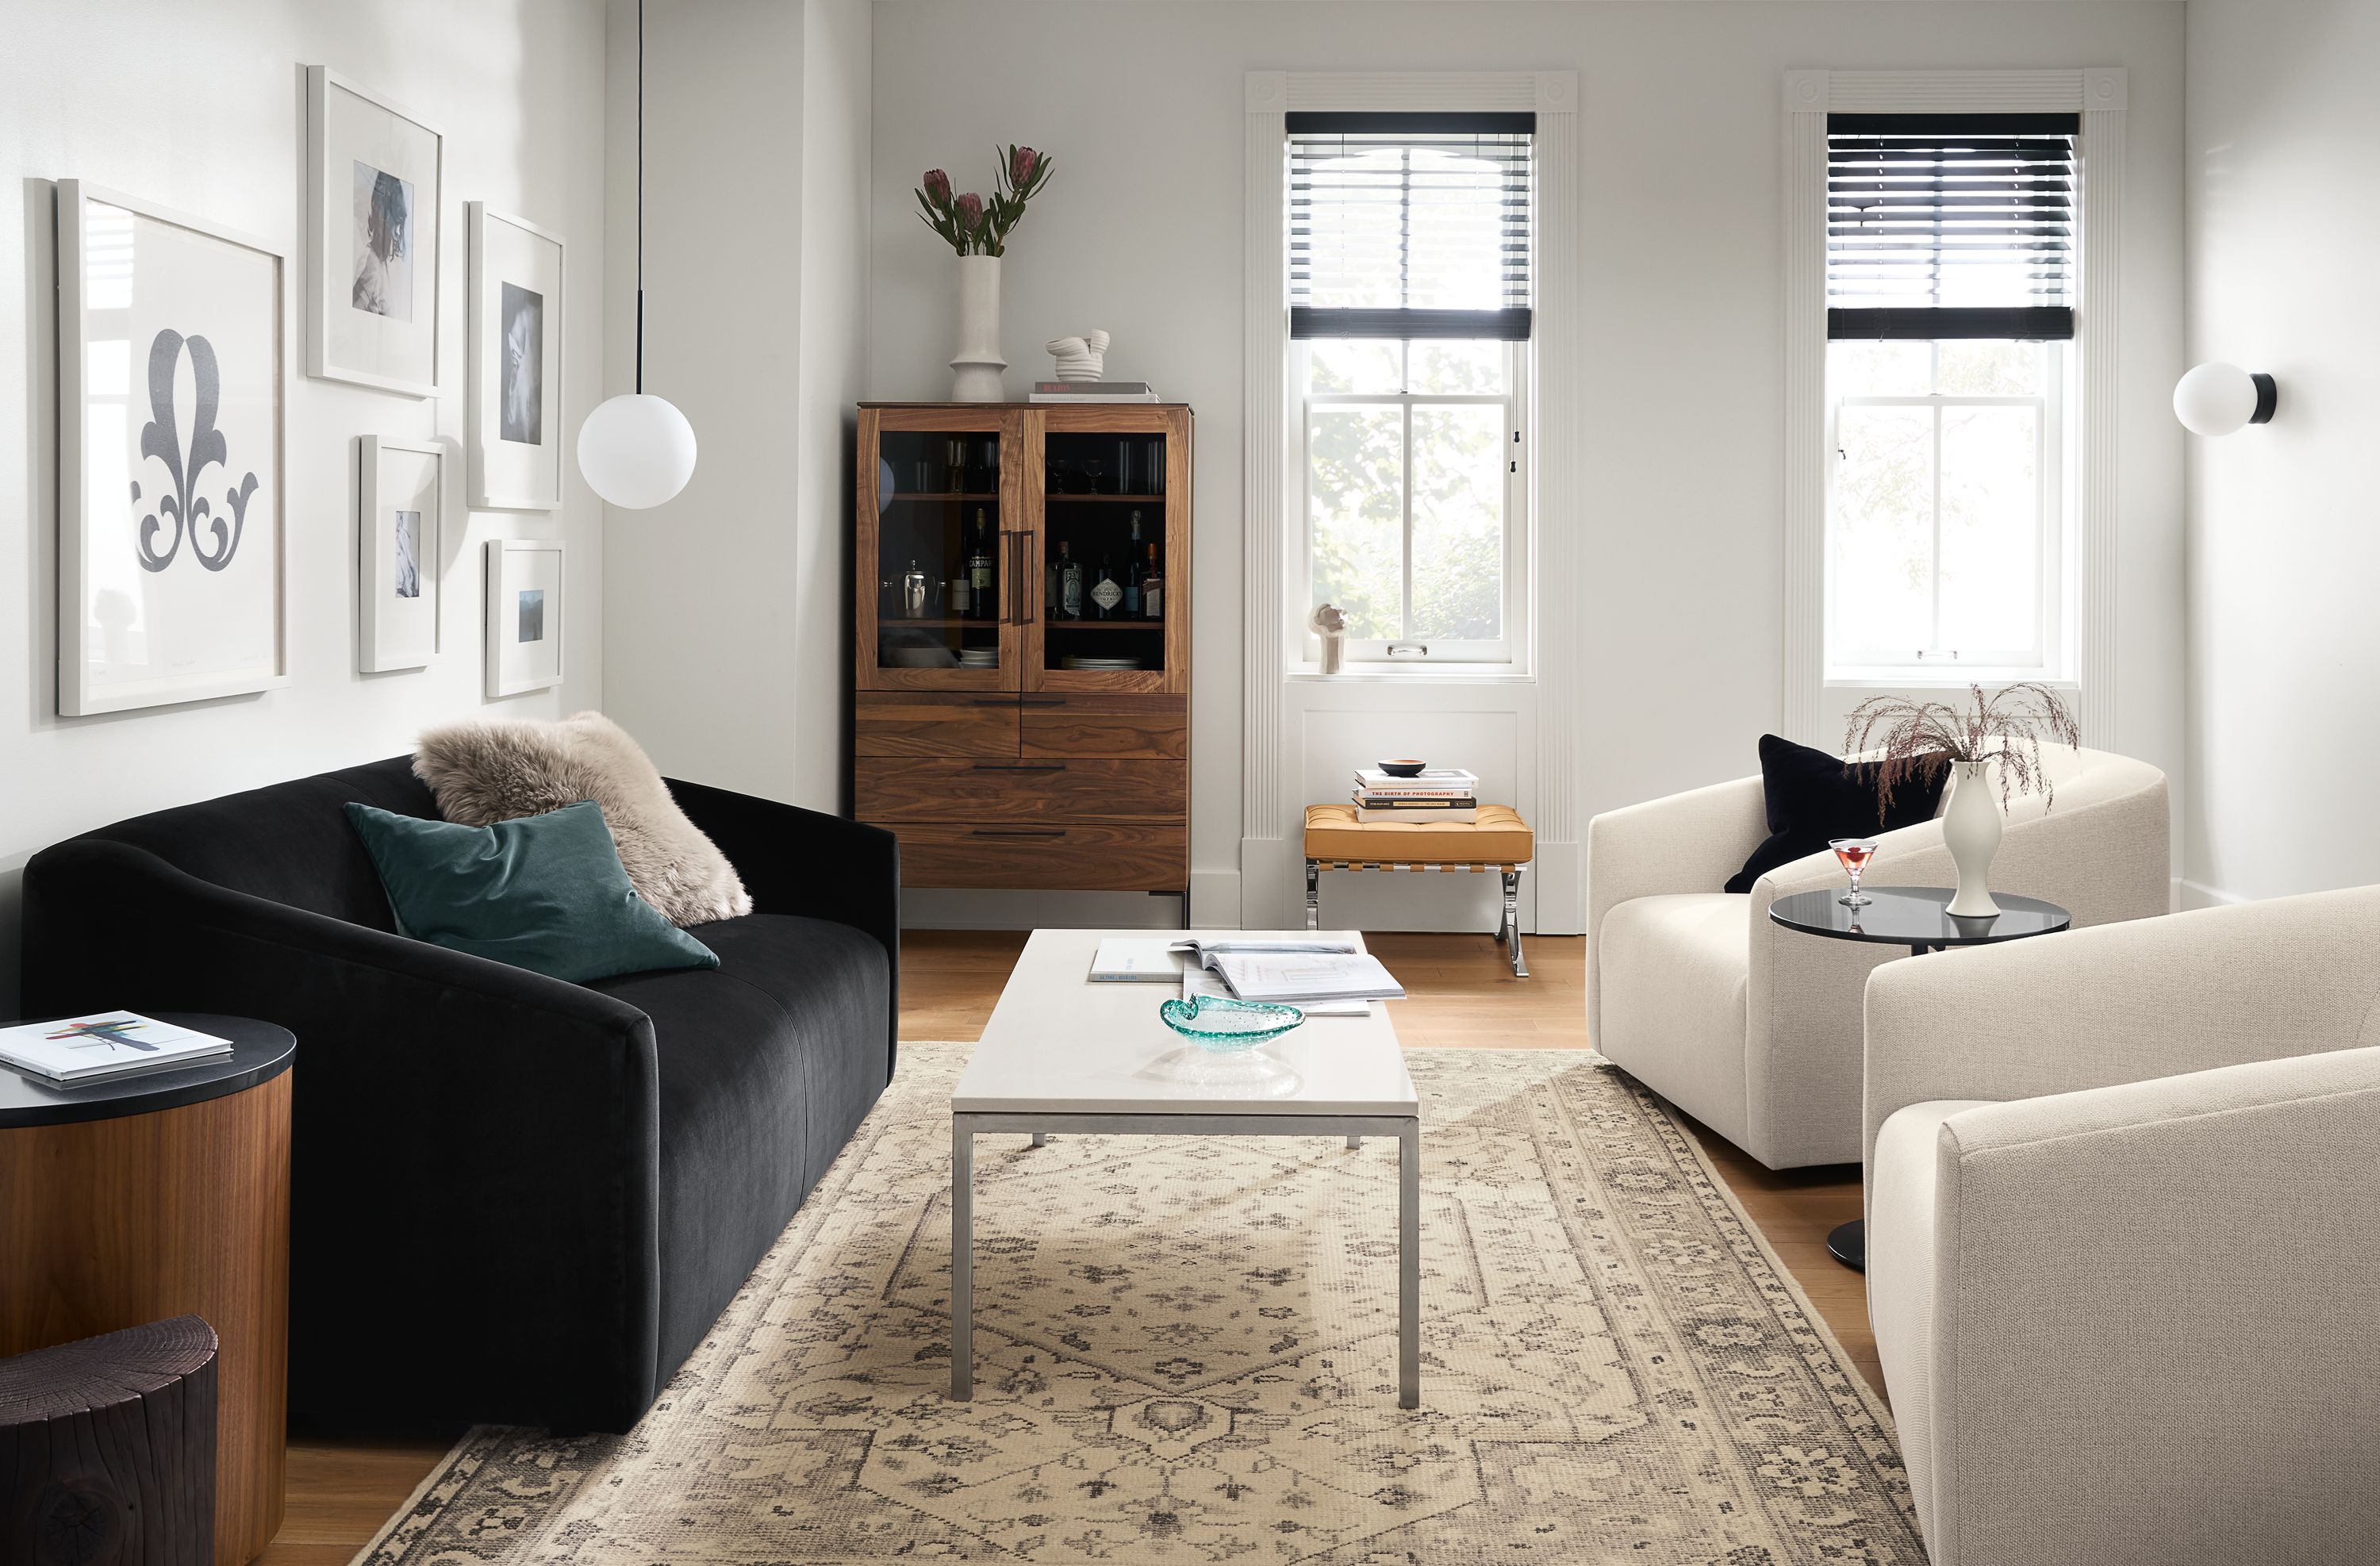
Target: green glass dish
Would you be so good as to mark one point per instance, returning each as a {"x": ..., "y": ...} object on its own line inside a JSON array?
[{"x": 1226, "y": 1026}]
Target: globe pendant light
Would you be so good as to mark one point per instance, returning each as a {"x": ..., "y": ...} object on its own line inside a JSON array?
[{"x": 638, "y": 451}]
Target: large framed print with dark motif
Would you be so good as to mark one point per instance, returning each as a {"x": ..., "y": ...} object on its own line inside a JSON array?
[
  {"x": 170, "y": 406},
  {"x": 372, "y": 250},
  {"x": 515, "y": 373}
]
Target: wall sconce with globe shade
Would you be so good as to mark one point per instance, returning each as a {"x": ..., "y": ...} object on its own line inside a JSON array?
[{"x": 2217, "y": 398}]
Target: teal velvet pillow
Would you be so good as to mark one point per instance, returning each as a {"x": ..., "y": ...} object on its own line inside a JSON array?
[{"x": 543, "y": 893}]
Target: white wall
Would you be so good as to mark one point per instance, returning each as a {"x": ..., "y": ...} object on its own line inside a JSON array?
[
  {"x": 201, "y": 107},
  {"x": 1139, "y": 232},
  {"x": 2284, "y": 524},
  {"x": 725, "y": 645}
]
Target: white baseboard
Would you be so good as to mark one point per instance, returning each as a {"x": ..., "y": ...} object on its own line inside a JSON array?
[{"x": 2188, "y": 894}]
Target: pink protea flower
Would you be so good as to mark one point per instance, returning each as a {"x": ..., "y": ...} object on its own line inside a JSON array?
[
  {"x": 1021, "y": 165},
  {"x": 970, "y": 211},
  {"x": 938, "y": 187}
]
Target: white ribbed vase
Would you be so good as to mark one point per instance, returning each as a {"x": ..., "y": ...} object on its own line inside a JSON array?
[
  {"x": 1970, "y": 829},
  {"x": 978, "y": 364}
]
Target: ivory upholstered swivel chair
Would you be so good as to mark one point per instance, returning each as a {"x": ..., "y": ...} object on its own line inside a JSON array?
[
  {"x": 1754, "y": 1030},
  {"x": 2123, "y": 1241}
]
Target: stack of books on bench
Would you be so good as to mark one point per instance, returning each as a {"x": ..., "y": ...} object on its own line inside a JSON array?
[{"x": 1437, "y": 794}]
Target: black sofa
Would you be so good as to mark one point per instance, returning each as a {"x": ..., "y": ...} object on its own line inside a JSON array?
[{"x": 513, "y": 1199}]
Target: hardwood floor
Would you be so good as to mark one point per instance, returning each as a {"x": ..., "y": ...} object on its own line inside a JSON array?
[{"x": 1462, "y": 996}]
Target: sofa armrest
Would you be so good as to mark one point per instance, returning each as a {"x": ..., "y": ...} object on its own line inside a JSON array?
[
  {"x": 1690, "y": 842},
  {"x": 443, "y": 1102},
  {"x": 809, "y": 863},
  {"x": 2125, "y": 1003},
  {"x": 2151, "y": 1334}
]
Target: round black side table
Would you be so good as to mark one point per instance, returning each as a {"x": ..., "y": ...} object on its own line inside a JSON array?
[
  {"x": 1919, "y": 919},
  {"x": 162, "y": 1195}
]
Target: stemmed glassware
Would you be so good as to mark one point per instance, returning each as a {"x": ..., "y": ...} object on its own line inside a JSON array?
[{"x": 1854, "y": 853}]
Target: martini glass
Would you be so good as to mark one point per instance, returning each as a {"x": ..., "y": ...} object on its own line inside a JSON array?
[{"x": 1854, "y": 853}]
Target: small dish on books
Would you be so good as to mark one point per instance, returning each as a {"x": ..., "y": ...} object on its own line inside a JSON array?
[
  {"x": 1224, "y": 1025},
  {"x": 1406, "y": 769}
]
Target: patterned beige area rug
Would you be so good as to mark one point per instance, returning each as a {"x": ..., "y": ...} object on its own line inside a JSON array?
[{"x": 1186, "y": 1352}]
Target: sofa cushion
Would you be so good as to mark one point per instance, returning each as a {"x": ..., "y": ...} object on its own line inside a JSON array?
[
  {"x": 1900, "y": 1221},
  {"x": 1675, "y": 970},
  {"x": 762, "y": 1081}
]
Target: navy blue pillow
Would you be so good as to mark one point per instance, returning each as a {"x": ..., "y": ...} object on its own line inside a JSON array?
[
  {"x": 543, "y": 893},
  {"x": 1814, "y": 797}
]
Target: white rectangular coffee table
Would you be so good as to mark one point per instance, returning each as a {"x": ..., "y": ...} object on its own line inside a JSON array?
[{"x": 1063, "y": 1054}]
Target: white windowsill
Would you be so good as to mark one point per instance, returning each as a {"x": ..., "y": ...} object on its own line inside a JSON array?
[
  {"x": 1885, "y": 680},
  {"x": 1442, "y": 673}
]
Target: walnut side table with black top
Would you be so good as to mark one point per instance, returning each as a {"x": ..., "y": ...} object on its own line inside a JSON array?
[
  {"x": 1919, "y": 919},
  {"x": 129, "y": 1201}
]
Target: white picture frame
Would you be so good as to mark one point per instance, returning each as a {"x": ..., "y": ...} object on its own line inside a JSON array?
[
  {"x": 527, "y": 615},
  {"x": 173, "y": 402},
  {"x": 400, "y": 553},
  {"x": 517, "y": 310},
  {"x": 375, "y": 174}
]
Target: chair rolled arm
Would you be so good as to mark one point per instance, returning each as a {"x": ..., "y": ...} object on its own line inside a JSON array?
[
  {"x": 2151, "y": 1336},
  {"x": 2125, "y": 1003},
  {"x": 1690, "y": 842}
]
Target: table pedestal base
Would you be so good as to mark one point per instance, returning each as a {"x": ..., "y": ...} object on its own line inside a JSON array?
[{"x": 1847, "y": 1243}]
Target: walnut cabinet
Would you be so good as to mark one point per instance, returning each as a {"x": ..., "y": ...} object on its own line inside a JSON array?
[{"x": 1023, "y": 711}]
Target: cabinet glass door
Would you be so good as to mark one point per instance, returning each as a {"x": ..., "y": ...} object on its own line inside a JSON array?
[
  {"x": 1112, "y": 537},
  {"x": 937, "y": 551}
]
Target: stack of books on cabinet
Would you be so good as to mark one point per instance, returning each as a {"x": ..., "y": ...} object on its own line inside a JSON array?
[{"x": 1438, "y": 794}]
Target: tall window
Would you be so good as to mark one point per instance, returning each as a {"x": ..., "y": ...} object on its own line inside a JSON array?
[
  {"x": 1950, "y": 320},
  {"x": 1409, "y": 324}
]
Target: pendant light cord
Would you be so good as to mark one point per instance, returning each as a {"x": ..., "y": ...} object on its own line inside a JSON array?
[{"x": 640, "y": 197}]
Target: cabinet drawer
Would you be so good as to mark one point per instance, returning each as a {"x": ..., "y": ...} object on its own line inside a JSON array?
[
  {"x": 952, "y": 789},
  {"x": 1090, "y": 857},
  {"x": 886, "y": 723},
  {"x": 1154, "y": 728}
]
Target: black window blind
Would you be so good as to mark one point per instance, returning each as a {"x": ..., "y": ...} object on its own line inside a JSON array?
[
  {"x": 1409, "y": 226},
  {"x": 1951, "y": 225}
]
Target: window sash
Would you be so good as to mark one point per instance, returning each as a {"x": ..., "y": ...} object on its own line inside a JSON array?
[
  {"x": 1854, "y": 662},
  {"x": 1511, "y": 586}
]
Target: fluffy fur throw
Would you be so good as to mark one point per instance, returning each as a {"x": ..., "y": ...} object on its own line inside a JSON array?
[{"x": 488, "y": 771}]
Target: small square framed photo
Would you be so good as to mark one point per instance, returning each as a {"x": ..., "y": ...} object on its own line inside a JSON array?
[
  {"x": 372, "y": 250},
  {"x": 515, "y": 376},
  {"x": 526, "y": 616},
  {"x": 400, "y": 560},
  {"x": 171, "y": 568}
]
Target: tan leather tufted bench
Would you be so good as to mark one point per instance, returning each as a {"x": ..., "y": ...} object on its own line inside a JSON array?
[{"x": 1499, "y": 841}]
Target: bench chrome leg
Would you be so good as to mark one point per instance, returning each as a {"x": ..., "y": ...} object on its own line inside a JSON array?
[
  {"x": 1313, "y": 896},
  {"x": 1512, "y": 921}
]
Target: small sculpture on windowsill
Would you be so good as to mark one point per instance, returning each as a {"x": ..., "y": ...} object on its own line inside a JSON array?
[
  {"x": 1331, "y": 625},
  {"x": 1080, "y": 359}
]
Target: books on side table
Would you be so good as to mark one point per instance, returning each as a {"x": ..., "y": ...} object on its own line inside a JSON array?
[
  {"x": 103, "y": 1046},
  {"x": 1437, "y": 794}
]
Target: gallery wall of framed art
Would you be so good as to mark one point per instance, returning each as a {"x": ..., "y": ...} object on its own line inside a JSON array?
[
  {"x": 171, "y": 391},
  {"x": 517, "y": 433}
]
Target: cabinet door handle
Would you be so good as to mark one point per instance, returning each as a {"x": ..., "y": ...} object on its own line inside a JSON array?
[
  {"x": 993, "y": 701},
  {"x": 1027, "y": 595},
  {"x": 1041, "y": 701}
]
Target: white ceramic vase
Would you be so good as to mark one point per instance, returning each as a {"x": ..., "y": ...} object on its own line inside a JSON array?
[
  {"x": 1970, "y": 829},
  {"x": 978, "y": 364}
]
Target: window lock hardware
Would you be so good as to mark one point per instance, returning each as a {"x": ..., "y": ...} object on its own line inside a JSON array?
[{"x": 1409, "y": 649}]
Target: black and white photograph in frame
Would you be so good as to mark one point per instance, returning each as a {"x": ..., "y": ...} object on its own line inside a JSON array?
[
  {"x": 400, "y": 553},
  {"x": 374, "y": 170},
  {"x": 515, "y": 373},
  {"x": 171, "y": 575},
  {"x": 525, "y": 615}
]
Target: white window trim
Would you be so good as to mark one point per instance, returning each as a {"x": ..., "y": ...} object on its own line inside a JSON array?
[
  {"x": 1556, "y": 525},
  {"x": 2098, "y": 94},
  {"x": 1508, "y": 655}
]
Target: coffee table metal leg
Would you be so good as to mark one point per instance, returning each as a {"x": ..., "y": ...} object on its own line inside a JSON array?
[
  {"x": 1409, "y": 1263},
  {"x": 1353, "y": 1143},
  {"x": 962, "y": 1260},
  {"x": 1041, "y": 1138}
]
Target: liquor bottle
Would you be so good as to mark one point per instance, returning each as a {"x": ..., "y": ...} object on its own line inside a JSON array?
[
  {"x": 1070, "y": 582},
  {"x": 1132, "y": 567},
  {"x": 958, "y": 602},
  {"x": 1106, "y": 595},
  {"x": 980, "y": 588},
  {"x": 1152, "y": 589}
]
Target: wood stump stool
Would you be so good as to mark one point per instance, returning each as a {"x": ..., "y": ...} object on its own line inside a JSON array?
[{"x": 107, "y": 1449}]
